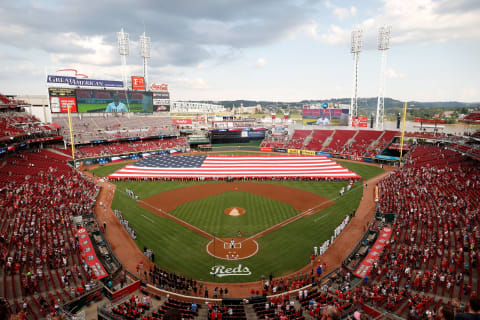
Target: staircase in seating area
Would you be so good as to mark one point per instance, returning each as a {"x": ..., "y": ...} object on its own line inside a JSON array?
[
  {"x": 250, "y": 312},
  {"x": 374, "y": 143},
  {"x": 202, "y": 313},
  {"x": 307, "y": 139},
  {"x": 328, "y": 140},
  {"x": 351, "y": 140}
]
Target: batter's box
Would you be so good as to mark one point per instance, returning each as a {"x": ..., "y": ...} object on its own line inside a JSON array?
[{"x": 227, "y": 245}]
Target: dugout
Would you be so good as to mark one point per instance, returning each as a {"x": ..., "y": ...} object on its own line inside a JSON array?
[
  {"x": 389, "y": 217},
  {"x": 239, "y": 301},
  {"x": 236, "y": 135}
]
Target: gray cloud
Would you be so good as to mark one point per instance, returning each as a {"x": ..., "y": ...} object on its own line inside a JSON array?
[
  {"x": 457, "y": 6},
  {"x": 181, "y": 30}
]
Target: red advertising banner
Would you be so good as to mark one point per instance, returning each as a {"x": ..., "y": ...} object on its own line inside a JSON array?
[
  {"x": 159, "y": 87},
  {"x": 61, "y": 104},
  {"x": 182, "y": 121},
  {"x": 429, "y": 120},
  {"x": 360, "y": 121},
  {"x": 266, "y": 149},
  {"x": 138, "y": 83},
  {"x": 364, "y": 268},
  {"x": 89, "y": 255}
]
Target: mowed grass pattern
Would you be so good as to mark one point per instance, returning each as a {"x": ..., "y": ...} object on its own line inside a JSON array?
[
  {"x": 177, "y": 248},
  {"x": 208, "y": 213},
  {"x": 282, "y": 251}
]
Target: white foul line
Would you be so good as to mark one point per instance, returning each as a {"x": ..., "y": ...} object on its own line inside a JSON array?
[{"x": 147, "y": 218}]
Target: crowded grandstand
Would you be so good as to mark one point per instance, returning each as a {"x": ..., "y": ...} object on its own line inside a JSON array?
[{"x": 418, "y": 253}]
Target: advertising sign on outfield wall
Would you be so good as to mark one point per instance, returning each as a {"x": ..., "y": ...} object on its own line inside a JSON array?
[
  {"x": 321, "y": 153},
  {"x": 88, "y": 254},
  {"x": 308, "y": 152},
  {"x": 364, "y": 268}
]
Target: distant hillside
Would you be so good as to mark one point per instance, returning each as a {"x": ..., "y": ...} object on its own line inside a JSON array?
[{"x": 365, "y": 105}]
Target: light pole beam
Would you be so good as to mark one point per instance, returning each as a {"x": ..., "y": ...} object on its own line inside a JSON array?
[
  {"x": 355, "y": 48},
  {"x": 145, "y": 44},
  {"x": 383, "y": 45},
  {"x": 124, "y": 51}
]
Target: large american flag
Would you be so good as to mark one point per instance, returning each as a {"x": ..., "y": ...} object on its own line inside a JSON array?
[{"x": 214, "y": 166}]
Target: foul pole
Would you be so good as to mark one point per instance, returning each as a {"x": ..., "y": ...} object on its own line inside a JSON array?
[
  {"x": 404, "y": 117},
  {"x": 70, "y": 127}
]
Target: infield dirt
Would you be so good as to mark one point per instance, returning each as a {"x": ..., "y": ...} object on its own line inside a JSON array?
[{"x": 129, "y": 254}]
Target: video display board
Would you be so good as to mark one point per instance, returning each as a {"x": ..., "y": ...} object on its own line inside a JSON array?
[
  {"x": 61, "y": 99},
  {"x": 161, "y": 101},
  {"x": 92, "y": 100},
  {"x": 325, "y": 117}
]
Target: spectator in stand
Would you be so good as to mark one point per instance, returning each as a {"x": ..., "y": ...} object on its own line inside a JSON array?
[
  {"x": 445, "y": 312},
  {"x": 471, "y": 312},
  {"x": 330, "y": 313}
]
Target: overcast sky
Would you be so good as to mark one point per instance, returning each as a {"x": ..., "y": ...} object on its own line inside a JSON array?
[{"x": 281, "y": 50}]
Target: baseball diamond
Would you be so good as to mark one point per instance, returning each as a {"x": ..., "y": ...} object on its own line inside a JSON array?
[{"x": 189, "y": 205}]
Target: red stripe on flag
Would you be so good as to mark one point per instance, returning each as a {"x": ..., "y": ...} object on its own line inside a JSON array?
[{"x": 246, "y": 166}]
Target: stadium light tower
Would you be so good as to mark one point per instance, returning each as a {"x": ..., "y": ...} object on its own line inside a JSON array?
[
  {"x": 124, "y": 51},
  {"x": 383, "y": 45},
  {"x": 145, "y": 53},
  {"x": 355, "y": 48}
]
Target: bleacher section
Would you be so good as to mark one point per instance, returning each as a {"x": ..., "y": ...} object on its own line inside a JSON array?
[
  {"x": 383, "y": 142},
  {"x": 318, "y": 139},
  {"x": 42, "y": 266},
  {"x": 113, "y": 126},
  {"x": 432, "y": 257},
  {"x": 297, "y": 139},
  {"x": 339, "y": 140},
  {"x": 118, "y": 148},
  {"x": 18, "y": 124},
  {"x": 473, "y": 117},
  {"x": 363, "y": 140}
]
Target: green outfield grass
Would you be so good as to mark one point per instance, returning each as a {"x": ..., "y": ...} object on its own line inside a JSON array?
[{"x": 282, "y": 251}]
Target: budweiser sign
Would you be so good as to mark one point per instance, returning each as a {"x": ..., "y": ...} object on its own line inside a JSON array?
[{"x": 159, "y": 87}]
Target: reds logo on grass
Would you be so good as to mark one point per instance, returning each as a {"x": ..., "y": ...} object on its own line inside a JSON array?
[{"x": 222, "y": 271}]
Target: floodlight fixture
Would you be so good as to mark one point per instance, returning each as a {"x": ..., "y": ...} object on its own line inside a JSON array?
[
  {"x": 356, "y": 41},
  {"x": 123, "y": 43},
  {"x": 384, "y": 34},
  {"x": 145, "y": 43}
]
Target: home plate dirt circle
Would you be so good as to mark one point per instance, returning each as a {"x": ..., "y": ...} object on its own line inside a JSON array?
[
  {"x": 234, "y": 211},
  {"x": 232, "y": 248}
]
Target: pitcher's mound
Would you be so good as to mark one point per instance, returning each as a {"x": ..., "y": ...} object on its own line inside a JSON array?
[{"x": 235, "y": 211}]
